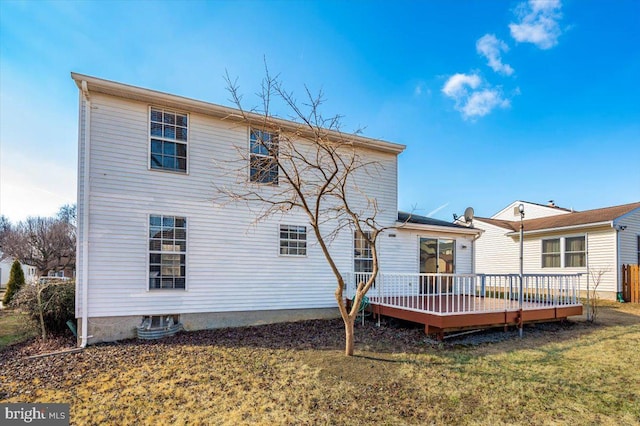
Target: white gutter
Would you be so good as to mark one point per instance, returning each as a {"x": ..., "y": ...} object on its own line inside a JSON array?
[
  {"x": 435, "y": 228},
  {"x": 85, "y": 215}
]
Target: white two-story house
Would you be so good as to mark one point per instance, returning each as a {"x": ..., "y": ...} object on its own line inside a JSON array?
[{"x": 151, "y": 242}]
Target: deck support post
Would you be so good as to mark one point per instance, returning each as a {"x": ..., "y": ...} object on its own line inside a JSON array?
[{"x": 520, "y": 322}]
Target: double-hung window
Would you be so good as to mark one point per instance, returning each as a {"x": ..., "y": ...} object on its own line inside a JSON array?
[
  {"x": 293, "y": 240},
  {"x": 263, "y": 156},
  {"x": 167, "y": 252},
  {"x": 564, "y": 252},
  {"x": 551, "y": 253},
  {"x": 362, "y": 254},
  {"x": 168, "y": 135},
  {"x": 574, "y": 252}
]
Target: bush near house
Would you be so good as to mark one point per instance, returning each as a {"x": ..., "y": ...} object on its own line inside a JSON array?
[
  {"x": 15, "y": 283},
  {"x": 58, "y": 303}
]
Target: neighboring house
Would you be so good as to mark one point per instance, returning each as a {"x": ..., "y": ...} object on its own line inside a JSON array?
[
  {"x": 30, "y": 272},
  {"x": 151, "y": 242},
  {"x": 558, "y": 240}
]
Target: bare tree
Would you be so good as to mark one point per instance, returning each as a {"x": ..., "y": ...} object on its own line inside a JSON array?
[
  {"x": 44, "y": 242},
  {"x": 593, "y": 299},
  {"x": 308, "y": 165},
  {"x": 5, "y": 229}
]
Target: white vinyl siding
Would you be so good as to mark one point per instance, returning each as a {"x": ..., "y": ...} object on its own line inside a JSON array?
[
  {"x": 495, "y": 252},
  {"x": 232, "y": 262},
  {"x": 629, "y": 238},
  {"x": 531, "y": 211}
]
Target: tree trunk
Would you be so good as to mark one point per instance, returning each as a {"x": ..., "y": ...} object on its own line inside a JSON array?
[
  {"x": 349, "y": 337},
  {"x": 41, "y": 313}
]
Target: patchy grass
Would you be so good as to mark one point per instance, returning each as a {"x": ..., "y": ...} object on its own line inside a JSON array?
[
  {"x": 296, "y": 374},
  {"x": 15, "y": 327}
]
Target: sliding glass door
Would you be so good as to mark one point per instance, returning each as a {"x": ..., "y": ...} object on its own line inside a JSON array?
[{"x": 437, "y": 256}]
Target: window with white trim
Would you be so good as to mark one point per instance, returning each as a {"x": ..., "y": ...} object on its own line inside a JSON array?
[
  {"x": 574, "y": 252},
  {"x": 362, "y": 253},
  {"x": 551, "y": 253},
  {"x": 263, "y": 165},
  {"x": 168, "y": 133},
  {"x": 293, "y": 240},
  {"x": 564, "y": 252},
  {"x": 167, "y": 252}
]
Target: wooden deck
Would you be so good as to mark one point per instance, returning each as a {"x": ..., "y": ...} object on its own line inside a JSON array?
[{"x": 442, "y": 313}]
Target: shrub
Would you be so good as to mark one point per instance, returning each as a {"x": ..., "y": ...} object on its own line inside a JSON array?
[
  {"x": 15, "y": 283},
  {"x": 57, "y": 300}
]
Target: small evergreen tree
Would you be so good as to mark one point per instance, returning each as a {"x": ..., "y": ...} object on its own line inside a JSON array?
[{"x": 16, "y": 282}]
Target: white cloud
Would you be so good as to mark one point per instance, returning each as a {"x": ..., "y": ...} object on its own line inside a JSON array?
[
  {"x": 491, "y": 48},
  {"x": 473, "y": 97},
  {"x": 455, "y": 85},
  {"x": 483, "y": 102},
  {"x": 537, "y": 23}
]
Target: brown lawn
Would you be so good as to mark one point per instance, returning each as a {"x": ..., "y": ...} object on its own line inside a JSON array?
[{"x": 571, "y": 373}]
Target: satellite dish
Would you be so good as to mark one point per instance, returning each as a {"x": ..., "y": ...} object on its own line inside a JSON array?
[{"x": 468, "y": 214}]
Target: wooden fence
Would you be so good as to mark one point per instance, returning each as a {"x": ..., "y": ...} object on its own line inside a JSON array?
[{"x": 631, "y": 283}]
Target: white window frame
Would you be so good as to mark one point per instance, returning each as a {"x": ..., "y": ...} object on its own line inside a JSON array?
[
  {"x": 563, "y": 251},
  {"x": 162, "y": 251},
  {"x": 554, "y": 253},
  {"x": 273, "y": 137},
  {"x": 356, "y": 256},
  {"x": 164, "y": 139},
  {"x": 292, "y": 230}
]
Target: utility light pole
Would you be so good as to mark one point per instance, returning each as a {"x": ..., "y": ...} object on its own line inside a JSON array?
[{"x": 521, "y": 210}]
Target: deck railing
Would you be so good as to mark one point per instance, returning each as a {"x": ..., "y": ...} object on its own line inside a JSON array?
[{"x": 468, "y": 293}]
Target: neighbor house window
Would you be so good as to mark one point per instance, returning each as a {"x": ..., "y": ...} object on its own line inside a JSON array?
[
  {"x": 574, "y": 252},
  {"x": 638, "y": 249},
  {"x": 551, "y": 253},
  {"x": 293, "y": 240},
  {"x": 564, "y": 252},
  {"x": 263, "y": 157},
  {"x": 168, "y": 134},
  {"x": 362, "y": 254},
  {"x": 167, "y": 251}
]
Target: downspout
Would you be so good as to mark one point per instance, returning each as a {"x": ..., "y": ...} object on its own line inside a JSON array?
[
  {"x": 85, "y": 216},
  {"x": 617, "y": 262}
]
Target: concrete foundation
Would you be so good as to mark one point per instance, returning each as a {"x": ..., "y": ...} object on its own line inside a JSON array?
[{"x": 109, "y": 329}]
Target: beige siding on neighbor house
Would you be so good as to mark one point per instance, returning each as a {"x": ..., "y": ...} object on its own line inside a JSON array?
[
  {"x": 600, "y": 257},
  {"x": 495, "y": 252},
  {"x": 628, "y": 238},
  {"x": 499, "y": 253},
  {"x": 232, "y": 264},
  {"x": 531, "y": 211}
]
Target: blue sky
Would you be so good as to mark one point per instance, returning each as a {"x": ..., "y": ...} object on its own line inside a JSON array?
[{"x": 495, "y": 100}]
